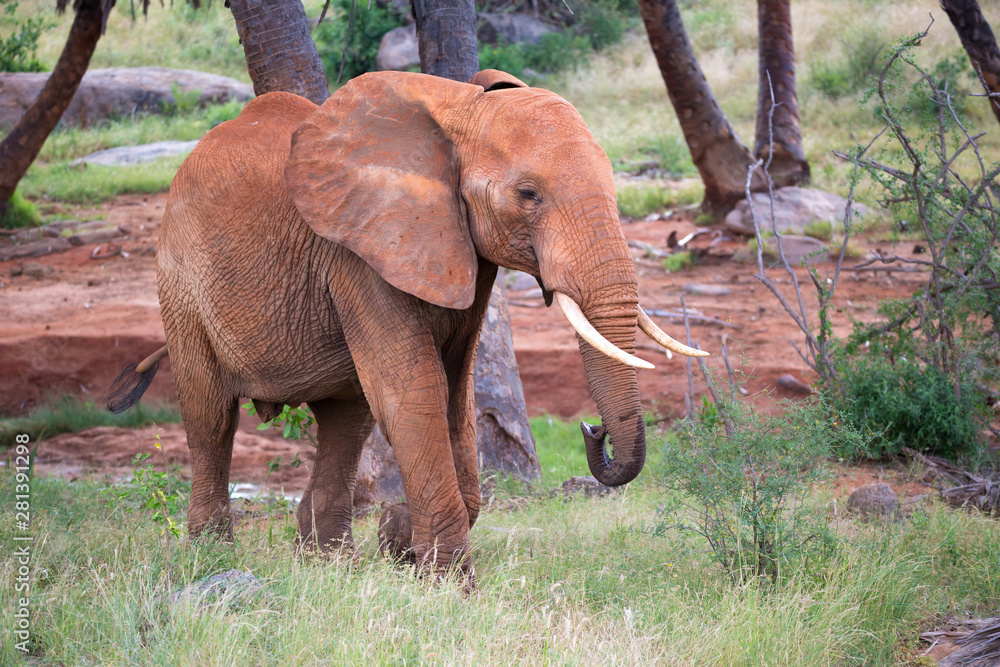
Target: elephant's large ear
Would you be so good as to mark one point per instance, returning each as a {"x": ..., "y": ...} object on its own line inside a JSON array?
[
  {"x": 374, "y": 170},
  {"x": 494, "y": 79}
]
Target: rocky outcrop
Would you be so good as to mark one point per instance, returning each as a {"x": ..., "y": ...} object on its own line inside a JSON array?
[
  {"x": 119, "y": 92},
  {"x": 398, "y": 49},
  {"x": 511, "y": 28},
  {"x": 123, "y": 156},
  {"x": 795, "y": 209}
]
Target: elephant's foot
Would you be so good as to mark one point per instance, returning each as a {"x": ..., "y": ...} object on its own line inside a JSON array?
[
  {"x": 395, "y": 537},
  {"x": 395, "y": 533},
  {"x": 327, "y": 533},
  {"x": 216, "y": 519}
]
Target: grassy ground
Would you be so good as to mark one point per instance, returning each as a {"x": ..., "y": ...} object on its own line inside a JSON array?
[
  {"x": 72, "y": 414},
  {"x": 559, "y": 582}
]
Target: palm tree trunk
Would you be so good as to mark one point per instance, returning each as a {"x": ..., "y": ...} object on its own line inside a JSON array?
[
  {"x": 721, "y": 158},
  {"x": 777, "y": 73},
  {"x": 979, "y": 43},
  {"x": 446, "y": 33},
  {"x": 20, "y": 148},
  {"x": 280, "y": 52}
]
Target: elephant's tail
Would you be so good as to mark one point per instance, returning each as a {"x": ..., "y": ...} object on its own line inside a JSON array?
[{"x": 133, "y": 382}]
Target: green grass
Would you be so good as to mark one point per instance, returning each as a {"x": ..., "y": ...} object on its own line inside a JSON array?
[
  {"x": 579, "y": 582},
  {"x": 20, "y": 213},
  {"x": 678, "y": 261},
  {"x": 94, "y": 184},
  {"x": 639, "y": 200},
  {"x": 72, "y": 414}
]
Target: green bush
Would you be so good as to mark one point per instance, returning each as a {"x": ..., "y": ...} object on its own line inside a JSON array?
[
  {"x": 636, "y": 201},
  {"x": 370, "y": 23},
  {"x": 555, "y": 52},
  {"x": 20, "y": 213},
  {"x": 744, "y": 489},
  {"x": 912, "y": 405},
  {"x": 18, "y": 53},
  {"x": 854, "y": 71}
]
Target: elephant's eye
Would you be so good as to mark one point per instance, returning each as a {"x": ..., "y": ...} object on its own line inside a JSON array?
[{"x": 529, "y": 194}]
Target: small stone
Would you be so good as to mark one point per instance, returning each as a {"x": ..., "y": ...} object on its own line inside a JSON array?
[
  {"x": 234, "y": 585},
  {"x": 874, "y": 500},
  {"x": 794, "y": 385},
  {"x": 36, "y": 270},
  {"x": 701, "y": 289},
  {"x": 587, "y": 485}
]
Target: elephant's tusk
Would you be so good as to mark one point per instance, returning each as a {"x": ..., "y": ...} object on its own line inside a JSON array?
[
  {"x": 649, "y": 328},
  {"x": 587, "y": 332}
]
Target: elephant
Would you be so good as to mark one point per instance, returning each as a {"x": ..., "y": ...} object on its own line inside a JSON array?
[{"x": 343, "y": 255}]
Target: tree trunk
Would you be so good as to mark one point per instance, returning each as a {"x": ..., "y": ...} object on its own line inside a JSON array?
[
  {"x": 20, "y": 148},
  {"x": 721, "y": 158},
  {"x": 446, "y": 34},
  {"x": 979, "y": 43},
  {"x": 777, "y": 58},
  {"x": 279, "y": 50}
]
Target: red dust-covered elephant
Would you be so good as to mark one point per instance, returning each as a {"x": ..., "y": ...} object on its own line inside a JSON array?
[{"x": 343, "y": 256}]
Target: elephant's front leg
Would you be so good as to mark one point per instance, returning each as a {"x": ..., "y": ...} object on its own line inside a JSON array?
[
  {"x": 327, "y": 505},
  {"x": 407, "y": 388}
]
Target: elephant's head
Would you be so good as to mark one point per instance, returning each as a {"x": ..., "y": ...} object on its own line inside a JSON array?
[{"x": 418, "y": 175}]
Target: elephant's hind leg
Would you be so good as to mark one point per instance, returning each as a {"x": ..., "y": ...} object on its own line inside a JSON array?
[
  {"x": 211, "y": 413},
  {"x": 328, "y": 502}
]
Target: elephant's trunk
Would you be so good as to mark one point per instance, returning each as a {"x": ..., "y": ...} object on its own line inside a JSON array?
[{"x": 613, "y": 386}]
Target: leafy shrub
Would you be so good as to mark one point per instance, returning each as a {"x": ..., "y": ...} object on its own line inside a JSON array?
[
  {"x": 20, "y": 213},
  {"x": 920, "y": 374},
  {"x": 18, "y": 53},
  {"x": 911, "y": 405},
  {"x": 555, "y": 52},
  {"x": 854, "y": 71},
  {"x": 370, "y": 23},
  {"x": 678, "y": 261},
  {"x": 744, "y": 482}
]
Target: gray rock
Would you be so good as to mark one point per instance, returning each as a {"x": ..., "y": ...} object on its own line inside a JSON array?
[
  {"x": 795, "y": 248},
  {"x": 235, "y": 587},
  {"x": 398, "y": 49},
  {"x": 794, "y": 209},
  {"x": 587, "y": 485},
  {"x": 512, "y": 28},
  {"x": 95, "y": 236},
  {"x": 700, "y": 289},
  {"x": 518, "y": 281},
  {"x": 874, "y": 500},
  {"x": 503, "y": 433},
  {"x": 118, "y": 92},
  {"x": 36, "y": 270},
  {"x": 794, "y": 385},
  {"x": 126, "y": 155},
  {"x": 34, "y": 248}
]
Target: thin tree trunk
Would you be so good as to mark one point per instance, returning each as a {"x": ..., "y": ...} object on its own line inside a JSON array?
[
  {"x": 20, "y": 148},
  {"x": 280, "y": 52},
  {"x": 777, "y": 58},
  {"x": 446, "y": 33},
  {"x": 721, "y": 158},
  {"x": 979, "y": 43}
]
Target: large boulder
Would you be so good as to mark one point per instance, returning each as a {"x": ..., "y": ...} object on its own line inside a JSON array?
[
  {"x": 123, "y": 156},
  {"x": 511, "y": 28},
  {"x": 502, "y": 429},
  {"x": 795, "y": 209},
  {"x": 118, "y": 92},
  {"x": 398, "y": 49}
]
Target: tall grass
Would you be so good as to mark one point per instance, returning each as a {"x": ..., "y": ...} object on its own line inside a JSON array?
[
  {"x": 72, "y": 414},
  {"x": 561, "y": 582}
]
